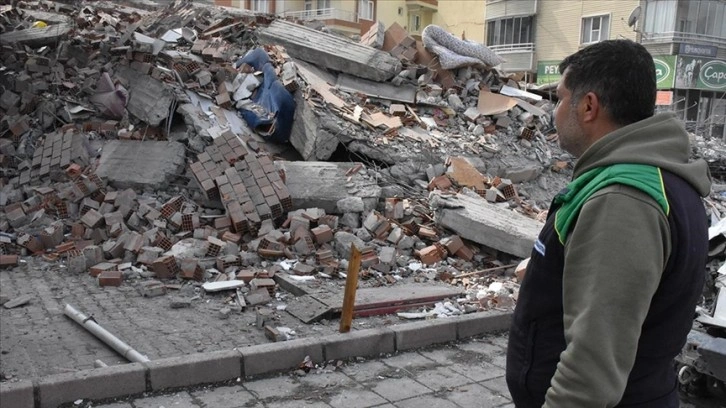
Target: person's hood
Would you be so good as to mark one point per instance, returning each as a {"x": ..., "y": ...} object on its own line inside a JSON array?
[{"x": 660, "y": 141}]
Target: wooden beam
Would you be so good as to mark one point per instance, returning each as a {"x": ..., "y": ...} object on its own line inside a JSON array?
[{"x": 351, "y": 284}]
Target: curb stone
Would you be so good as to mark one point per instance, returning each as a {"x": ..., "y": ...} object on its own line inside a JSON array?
[
  {"x": 217, "y": 366},
  {"x": 19, "y": 394},
  {"x": 96, "y": 383}
]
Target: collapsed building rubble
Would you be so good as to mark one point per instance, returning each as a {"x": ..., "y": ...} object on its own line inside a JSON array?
[{"x": 137, "y": 147}]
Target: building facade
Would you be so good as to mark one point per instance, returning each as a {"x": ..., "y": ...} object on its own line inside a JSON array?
[
  {"x": 687, "y": 39},
  {"x": 350, "y": 17}
]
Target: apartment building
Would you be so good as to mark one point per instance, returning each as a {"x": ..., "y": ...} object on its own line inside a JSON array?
[
  {"x": 350, "y": 17},
  {"x": 462, "y": 17},
  {"x": 687, "y": 39}
]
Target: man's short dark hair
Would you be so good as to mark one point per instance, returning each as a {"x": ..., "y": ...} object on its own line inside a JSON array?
[{"x": 620, "y": 72}]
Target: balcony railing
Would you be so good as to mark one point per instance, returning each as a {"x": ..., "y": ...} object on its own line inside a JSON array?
[
  {"x": 505, "y": 48},
  {"x": 677, "y": 36},
  {"x": 323, "y": 14}
]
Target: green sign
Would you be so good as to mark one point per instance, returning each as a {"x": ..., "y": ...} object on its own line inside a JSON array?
[
  {"x": 700, "y": 73},
  {"x": 548, "y": 72},
  {"x": 664, "y": 70},
  {"x": 665, "y": 73}
]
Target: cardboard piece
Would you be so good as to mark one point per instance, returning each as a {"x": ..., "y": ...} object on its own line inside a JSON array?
[{"x": 494, "y": 104}]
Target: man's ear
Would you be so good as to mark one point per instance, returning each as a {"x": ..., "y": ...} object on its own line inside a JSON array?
[{"x": 590, "y": 107}]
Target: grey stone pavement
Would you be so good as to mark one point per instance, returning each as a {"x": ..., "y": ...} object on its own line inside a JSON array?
[
  {"x": 37, "y": 339},
  {"x": 38, "y": 342},
  {"x": 466, "y": 374}
]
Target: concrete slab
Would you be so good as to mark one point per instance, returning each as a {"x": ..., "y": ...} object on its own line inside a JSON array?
[
  {"x": 334, "y": 52},
  {"x": 322, "y": 184},
  {"x": 488, "y": 224},
  {"x": 149, "y": 99},
  {"x": 144, "y": 165},
  {"x": 309, "y": 138}
]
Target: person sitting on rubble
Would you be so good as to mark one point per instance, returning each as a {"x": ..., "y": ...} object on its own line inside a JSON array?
[{"x": 611, "y": 287}]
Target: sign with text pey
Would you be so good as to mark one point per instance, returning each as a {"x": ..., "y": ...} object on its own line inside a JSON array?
[
  {"x": 701, "y": 73},
  {"x": 548, "y": 72}
]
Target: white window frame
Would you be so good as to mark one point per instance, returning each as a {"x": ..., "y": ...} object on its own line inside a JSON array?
[
  {"x": 600, "y": 17},
  {"x": 366, "y": 9},
  {"x": 260, "y": 6}
]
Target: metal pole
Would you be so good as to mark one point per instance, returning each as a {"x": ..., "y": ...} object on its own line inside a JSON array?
[{"x": 112, "y": 341}]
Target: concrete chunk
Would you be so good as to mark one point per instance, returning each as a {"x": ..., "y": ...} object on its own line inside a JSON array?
[
  {"x": 147, "y": 164},
  {"x": 322, "y": 185},
  {"x": 491, "y": 225},
  {"x": 333, "y": 52}
]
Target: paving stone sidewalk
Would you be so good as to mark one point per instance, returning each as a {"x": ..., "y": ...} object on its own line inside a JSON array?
[{"x": 466, "y": 374}]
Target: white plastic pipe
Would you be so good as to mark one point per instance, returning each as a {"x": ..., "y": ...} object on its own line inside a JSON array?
[{"x": 112, "y": 341}]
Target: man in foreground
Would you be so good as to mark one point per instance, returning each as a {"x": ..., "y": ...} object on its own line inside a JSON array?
[{"x": 610, "y": 292}]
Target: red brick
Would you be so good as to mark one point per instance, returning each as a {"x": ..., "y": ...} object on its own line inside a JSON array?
[
  {"x": 96, "y": 270},
  {"x": 165, "y": 267},
  {"x": 8, "y": 260},
  {"x": 110, "y": 278}
]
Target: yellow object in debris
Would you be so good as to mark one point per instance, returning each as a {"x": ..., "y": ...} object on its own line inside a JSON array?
[{"x": 40, "y": 24}]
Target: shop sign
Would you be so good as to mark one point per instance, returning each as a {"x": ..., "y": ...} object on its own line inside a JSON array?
[
  {"x": 713, "y": 74},
  {"x": 696, "y": 50},
  {"x": 700, "y": 73},
  {"x": 664, "y": 98},
  {"x": 664, "y": 71},
  {"x": 548, "y": 72}
]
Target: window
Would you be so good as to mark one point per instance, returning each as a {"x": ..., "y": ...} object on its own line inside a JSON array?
[
  {"x": 323, "y": 6},
  {"x": 660, "y": 16},
  {"x": 367, "y": 9},
  {"x": 685, "y": 17},
  {"x": 510, "y": 31},
  {"x": 260, "y": 6},
  {"x": 415, "y": 23},
  {"x": 595, "y": 29}
]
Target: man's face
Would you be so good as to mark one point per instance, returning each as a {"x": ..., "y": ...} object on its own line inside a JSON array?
[{"x": 568, "y": 126}]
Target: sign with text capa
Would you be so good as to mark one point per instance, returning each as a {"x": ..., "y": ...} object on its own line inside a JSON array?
[
  {"x": 701, "y": 73},
  {"x": 664, "y": 71},
  {"x": 548, "y": 72}
]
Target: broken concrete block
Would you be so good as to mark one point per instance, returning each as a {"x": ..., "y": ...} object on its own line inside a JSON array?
[
  {"x": 152, "y": 288},
  {"x": 18, "y": 301},
  {"x": 343, "y": 241},
  {"x": 263, "y": 316},
  {"x": 154, "y": 163},
  {"x": 258, "y": 297},
  {"x": 147, "y": 255},
  {"x": 350, "y": 204},
  {"x": 77, "y": 263},
  {"x": 179, "y": 302}
]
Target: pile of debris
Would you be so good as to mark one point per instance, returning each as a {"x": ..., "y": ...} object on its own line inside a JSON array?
[{"x": 147, "y": 147}]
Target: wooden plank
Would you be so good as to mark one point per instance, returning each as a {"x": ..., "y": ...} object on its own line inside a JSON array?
[
  {"x": 405, "y": 294},
  {"x": 351, "y": 284},
  {"x": 319, "y": 85}
]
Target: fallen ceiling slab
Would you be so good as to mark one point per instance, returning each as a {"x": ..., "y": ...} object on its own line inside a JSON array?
[
  {"x": 491, "y": 225},
  {"x": 331, "y": 51}
]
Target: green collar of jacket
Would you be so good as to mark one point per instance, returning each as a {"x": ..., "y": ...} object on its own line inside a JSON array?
[{"x": 641, "y": 176}]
